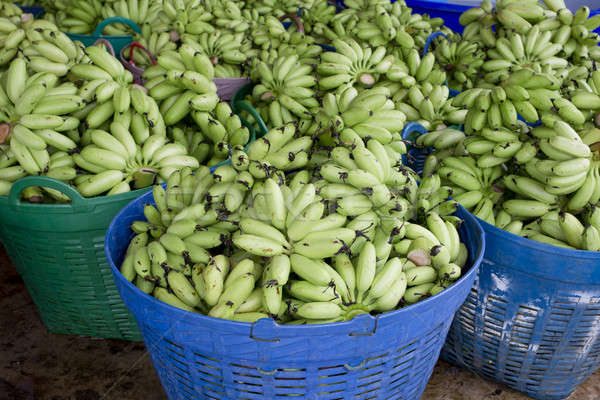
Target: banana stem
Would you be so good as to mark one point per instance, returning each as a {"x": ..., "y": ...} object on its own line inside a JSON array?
[
  {"x": 4, "y": 132},
  {"x": 366, "y": 79},
  {"x": 354, "y": 313}
]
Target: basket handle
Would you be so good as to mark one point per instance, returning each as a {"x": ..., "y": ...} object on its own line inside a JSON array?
[
  {"x": 136, "y": 45},
  {"x": 296, "y": 20},
  {"x": 242, "y": 105},
  {"x": 413, "y": 127},
  {"x": 114, "y": 20},
  {"x": 355, "y": 367},
  {"x": 107, "y": 44},
  {"x": 430, "y": 40},
  {"x": 78, "y": 203}
]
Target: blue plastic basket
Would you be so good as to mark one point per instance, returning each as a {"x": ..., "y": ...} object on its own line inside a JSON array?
[
  {"x": 532, "y": 320},
  {"x": 197, "y": 357},
  {"x": 416, "y": 156}
]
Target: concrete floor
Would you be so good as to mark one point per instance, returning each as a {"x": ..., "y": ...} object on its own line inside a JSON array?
[{"x": 38, "y": 365}]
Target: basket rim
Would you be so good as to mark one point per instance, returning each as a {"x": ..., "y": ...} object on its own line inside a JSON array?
[
  {"x": 91, "y": 201},
  {"x": 519, "y": 241},
  {"x": 351, "y": 324}
]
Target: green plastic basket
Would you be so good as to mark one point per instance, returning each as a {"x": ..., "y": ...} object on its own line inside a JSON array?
[
  {"x": 117, "y": 42},
  {"x": 58, "y": 249}
]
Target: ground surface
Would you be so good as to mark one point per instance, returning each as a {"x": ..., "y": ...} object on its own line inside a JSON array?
[{"x": 38, "y": 365}]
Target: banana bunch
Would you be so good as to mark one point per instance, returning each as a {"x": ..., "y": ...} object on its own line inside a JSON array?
[
  {"x": 433, "y": 197},
  {"x": 11, "y": 35},
  {"x": 510, "y": 15},
  {"x": 431, "y": 106},
  {"x": 563, "y": 147},
  {"x": 524, "y": 94},
  {"x": 534, "y": 50},
  {"x": 269, "y": 33},
  {"x": 182, "y": 82},
  {"x": 172, "y": 247},
  {"x": 192, "y": 140},
  {"x": 286, "y": 91},
  {"x": 395, "y": 25},
  {"x": 222, "y": 130},
  {"x": 535, "y": 32},
  {"x": 475, "y": 188},
  {"x": 17, "y": 32},
  {"x": 298, "y": 44},
  {"x": 585, "y": 95},
  {"x": 183, "y": 16},
  {"x": 35, "y": 121},
  {"x": 277, "y": 8},
  {"x": 139, "y": 11},
  {"x": 574, "y": 32},
  {"x": 446, "y": 140},
  {"x": 282, "y": 149},
  {"x": 49, "y": 50},
  {"x": 82, "y": 16},
  {"x": 554, "y": 227},
  {"x": 317, "y": 17},
  {"x": 353, "y": 117},
  {"x": 11, "y": 11},
  {"x": 564, "y": 229},
  {"x": 462, "y": 60},
  {"x": 106, "y": 88},
  {"x": 410, "y": 69},
  {"x": 229, "y": 15},
  {"x": 224, "y": 50},
  {"x": 352, "y": 65}
]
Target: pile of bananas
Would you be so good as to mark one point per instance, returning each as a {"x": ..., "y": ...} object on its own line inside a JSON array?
[
  {"x": 351, "y": 233},
  {"x": 33, "y": 121},
  {"x": 529, "y": 162}
]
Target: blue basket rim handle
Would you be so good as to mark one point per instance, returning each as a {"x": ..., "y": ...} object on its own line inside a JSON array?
[
  {"x": 267, "y": 372},
  {"x": 430, "y": 39},
  {"x": 360, "y": 365},
  {"x": 413, "y": 127},
  {"x": 109, "y": 46},
  {"x": 114, "y": 20},
  {"x": 532, "y": 124},
  {"x": 296, "y": 20},
  {"x": 453, "y": 93},
  {"x": 326, "y": 47},
  {"x": 78, "y": 203},
  {"x": 243, "y": 105}
]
